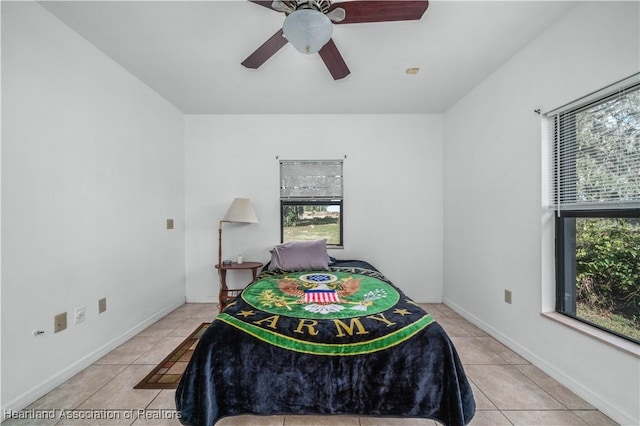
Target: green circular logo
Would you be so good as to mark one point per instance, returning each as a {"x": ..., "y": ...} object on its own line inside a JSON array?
[{"x": 321, "y": 295}]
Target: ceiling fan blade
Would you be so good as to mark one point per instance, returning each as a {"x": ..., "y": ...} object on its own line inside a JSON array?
[
  {"x": 265, "y": 3},
  {"x": 361, "y": 11},
  {"x": 267, "y": 50},
  {"x": 280, "y": 6},
  {"x": 333, "y": 60}
]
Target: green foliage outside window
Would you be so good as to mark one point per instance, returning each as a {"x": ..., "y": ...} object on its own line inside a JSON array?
[
  {"x": 608, "y": 268},
  {"x": 307, "y": 221},
  {"x": 292, "y": 215}
]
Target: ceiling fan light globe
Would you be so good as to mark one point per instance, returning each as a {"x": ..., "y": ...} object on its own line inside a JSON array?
[{"x": 307, "y": 30}]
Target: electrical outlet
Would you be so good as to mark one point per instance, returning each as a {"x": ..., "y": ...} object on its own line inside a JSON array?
[
  {"x": 507, "y": 296},
  {"x": 60, "y": 322},
  {"x": 79, "y": 314},
  {"x": 102, "y": 305},
  {"x": 169, "y": 223}
]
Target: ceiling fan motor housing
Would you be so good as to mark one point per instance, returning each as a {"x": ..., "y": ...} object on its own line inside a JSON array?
[
  {"x": 319, "y": 5},
  {"x": 322, "y": 5}
]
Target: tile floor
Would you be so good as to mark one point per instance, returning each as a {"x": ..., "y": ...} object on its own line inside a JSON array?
[{"x": 508, "y": 389}]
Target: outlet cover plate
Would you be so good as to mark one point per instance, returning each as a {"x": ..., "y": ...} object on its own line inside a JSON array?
[
  {"x": 102, "y": 305},
  {"x": 507, "y": 296},
  {"x": 79, "y": 314}
]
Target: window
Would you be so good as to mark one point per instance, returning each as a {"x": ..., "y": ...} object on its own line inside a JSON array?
[
  {"x": 596, "y": 193},
  {"x": 311, "y": 201}
]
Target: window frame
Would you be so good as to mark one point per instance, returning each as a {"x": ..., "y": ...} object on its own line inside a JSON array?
[
  {"x": 309, "y": 189},
  {"x": 567, "y": 211}
]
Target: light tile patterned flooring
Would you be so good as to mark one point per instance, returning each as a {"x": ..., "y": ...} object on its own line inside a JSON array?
[{"x": 508, "y": 389}]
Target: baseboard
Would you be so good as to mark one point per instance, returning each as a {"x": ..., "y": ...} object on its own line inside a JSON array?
[
  {"x": 543, "y": 365},
  {"x": 53, "y": 382}
]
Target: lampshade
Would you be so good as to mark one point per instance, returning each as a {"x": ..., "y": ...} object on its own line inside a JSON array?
[
  {"x": 307, "y": 29},
  {"x": 241, "y": 211}
]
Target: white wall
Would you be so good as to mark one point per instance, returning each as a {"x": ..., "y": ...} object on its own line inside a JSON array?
[
  {"x": 494, "y": 224},
  {"x": 92, "y": 165},
  {"x": 392, "y": 191}
]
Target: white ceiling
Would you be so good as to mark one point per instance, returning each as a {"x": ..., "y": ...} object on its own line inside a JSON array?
[{"x": 190, "y": 53}]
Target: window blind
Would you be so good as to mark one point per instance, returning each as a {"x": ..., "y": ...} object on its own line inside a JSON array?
[
  {"x": 311, "y": 179},
  {"x": 596, "y": 150}
]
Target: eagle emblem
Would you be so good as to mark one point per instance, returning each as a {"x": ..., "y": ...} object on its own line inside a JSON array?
[{"x": 324, "y": 293}]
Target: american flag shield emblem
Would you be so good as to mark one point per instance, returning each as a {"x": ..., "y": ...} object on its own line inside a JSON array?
[{"x": 320, "y": 296}]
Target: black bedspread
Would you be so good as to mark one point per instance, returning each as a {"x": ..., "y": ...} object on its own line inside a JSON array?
[{"x": 366, "y": 350}]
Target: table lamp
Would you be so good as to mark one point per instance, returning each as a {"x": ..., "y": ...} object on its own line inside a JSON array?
[{"x": 240, "y": 211}]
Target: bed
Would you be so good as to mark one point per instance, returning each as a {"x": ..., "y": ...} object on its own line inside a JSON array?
[{"x": 339, "y": 339}]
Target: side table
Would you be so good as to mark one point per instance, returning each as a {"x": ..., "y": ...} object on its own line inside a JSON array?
[{"x": 227, "y": 295}]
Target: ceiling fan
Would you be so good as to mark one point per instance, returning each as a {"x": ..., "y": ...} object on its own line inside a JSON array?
[{"x": 309, "y": 24}]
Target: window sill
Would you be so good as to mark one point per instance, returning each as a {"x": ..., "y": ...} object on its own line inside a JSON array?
[{"x": 594, "y": 332}]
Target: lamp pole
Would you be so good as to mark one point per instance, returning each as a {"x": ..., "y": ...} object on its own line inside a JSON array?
[{"x": 220, "y": 243}]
